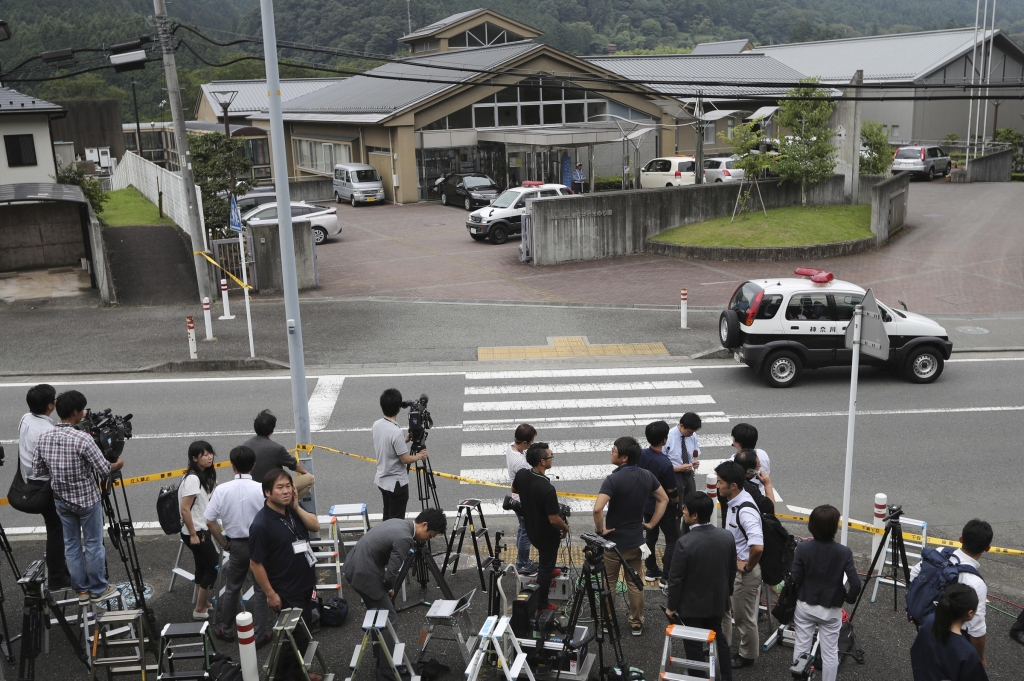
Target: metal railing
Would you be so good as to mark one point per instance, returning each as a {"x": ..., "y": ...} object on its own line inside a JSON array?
[{"x": 226, "y": 253}]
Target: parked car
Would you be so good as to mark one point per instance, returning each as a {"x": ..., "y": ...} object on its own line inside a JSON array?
[
  {"x": 256, "y": 197},
  {"x": 779, "y": 327},
  {"x": 923, "y": 161},
  {"x": 357, "y": 183},
  {"x": 323, "y": 221},
  {"x": 721, "y": 169},
  {"x": 505, "y": 214},
  {"x": 670, "y": 171},
  {"x": 468, "y": 190}
]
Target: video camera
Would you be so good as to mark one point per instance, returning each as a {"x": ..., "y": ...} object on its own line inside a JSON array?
[
  {"x": 108, "y": 430},
  {"x": 510, "y": 504},
  {"x": 420, "y": 422}
]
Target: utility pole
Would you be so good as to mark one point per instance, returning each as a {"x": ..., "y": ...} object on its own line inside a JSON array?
[
  {"x": 138, "y": 126},
  {"x": 195, "y": 226},
  {"x": 408, "y": 13},
  {"x": 296, "y": 360}
]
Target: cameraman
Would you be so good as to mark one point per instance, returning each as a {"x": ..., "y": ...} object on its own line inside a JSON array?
[
  {"x": 72, "y": 459},
  {"x": 515, "y": 460},
  {"x": 272, "y": 455},
  {"x": 389, "y": 443},
  {"x": 37, "y": 421},
  {"x": 544, "y": 526}
]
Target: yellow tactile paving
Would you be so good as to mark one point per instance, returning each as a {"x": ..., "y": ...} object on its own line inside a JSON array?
[{"x": 571, "y": 346}]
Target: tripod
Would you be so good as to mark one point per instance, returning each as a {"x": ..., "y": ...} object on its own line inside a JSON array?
[
  {"x": 121, "y": 531},
  {"x": 893, "y": 531},
  {"x": 39, "y": 605},
  {"x": 422, "y": 563},
  {"x": 426, "y": 488},
  {"x": 7, "y": 640}
]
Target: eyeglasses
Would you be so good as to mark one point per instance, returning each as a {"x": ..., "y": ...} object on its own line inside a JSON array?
[{"x": 548, "y": 457}]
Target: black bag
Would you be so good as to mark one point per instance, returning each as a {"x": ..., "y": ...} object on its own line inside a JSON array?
[
  {"x": 785, "y": 606},
  {"x": 779, "y": 546},
  {"x": 167, "y": 511},
  {"x": 223, "y": 668},
  {"x": 29, "y": 496},
  {"x": 333, "y": 612}
]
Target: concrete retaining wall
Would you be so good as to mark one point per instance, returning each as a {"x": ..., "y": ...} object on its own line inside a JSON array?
[
  {"x": 863, "y": 198},
  {"x": 767, "y": 254},
  {"x": 101, "y": 261},
  {"x": 889, "y": 206},
  {"x": 619, "y": 223},
  {"x": 314, "y": 190},
  {"x": 37, "y": 235},
  {"x": 995, "y": 167},
  {"x": 267, "y": 252}
]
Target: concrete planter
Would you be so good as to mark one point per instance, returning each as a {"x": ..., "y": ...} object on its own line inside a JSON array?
[{"x": 765, "y": 254}]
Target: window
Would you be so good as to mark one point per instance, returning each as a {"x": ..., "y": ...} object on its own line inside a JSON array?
[
  {"x": 521, "y": 203},
  {"x": 268, "y": 214},
  {"x": 21, "y": 150},
  {"x": 463, "y": 118},
  {"x": 712, "y": 165},
  {"x": 552, "y": 114},
  {"x": 319, "y": 156},
  {"x": 574, "y": 112},
  {"x": 709, "y": 133},
  {"x": 743, "y": 297},
  {"x": 808, "y": 306},
  {"x": 845, "y": 303},
  {"x": 548, "y": 192},
  {"x": 659, "y": 165},
  {"x": 365, "y": 176},
  {"x": 728, "y": 129},
  {"x": 484, "y": 116},
  {"x": 508, "y": 116},
  {"x": 895, "y": 131},
  {"x": 338, "y": 173},
  {"x": 529, "y": 114},
  {"x": 261, "y": 172},
  {"x": 686, "y": 166},
  {"x": 769, "y": 306},
  {"x": 908, "y": 152},
  {"x": 258, "y": 151},
  {"x": 299, "y": 211}
]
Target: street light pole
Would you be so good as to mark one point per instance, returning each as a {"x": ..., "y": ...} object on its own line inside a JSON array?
[
  {"x": 303, "y": 439},
  {"x": 138, "y": 126},
  {"x": 224, "y": 98}
]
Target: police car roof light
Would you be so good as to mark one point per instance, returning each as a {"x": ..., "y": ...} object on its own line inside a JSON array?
[
  {"x": 532, "y": 183},
  {"x": 816, "y": 275}
]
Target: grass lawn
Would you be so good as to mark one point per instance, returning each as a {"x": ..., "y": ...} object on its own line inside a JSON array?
[
  {"x": 792, "y": 226},
  {"x": 129, "y": 207}
]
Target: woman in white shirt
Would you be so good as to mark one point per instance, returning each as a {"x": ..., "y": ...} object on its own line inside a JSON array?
[{"x": 193, "y": 496}]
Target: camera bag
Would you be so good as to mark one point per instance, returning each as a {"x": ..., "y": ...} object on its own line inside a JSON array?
[
  {"x": 29, "y": 496},
  {"x": 167, "y": 509}
]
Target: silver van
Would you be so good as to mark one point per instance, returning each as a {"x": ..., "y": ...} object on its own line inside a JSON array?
[{"x": 357, "y": 183}]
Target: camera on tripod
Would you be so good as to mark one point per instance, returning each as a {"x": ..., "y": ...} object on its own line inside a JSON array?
[
  {"x": 420, "y": 422},
  {"x": 893, "y": 513},
  {"x": 108, "y": 430}
]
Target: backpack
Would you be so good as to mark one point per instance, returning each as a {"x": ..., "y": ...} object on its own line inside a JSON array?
[
  {"x": 333, "y": 612},
  {"x": 779, "y": 546},
  {"x": 223, "y": 668},
  {"x": 938, "y": 571},
  {"x": 167, "y": 509}
]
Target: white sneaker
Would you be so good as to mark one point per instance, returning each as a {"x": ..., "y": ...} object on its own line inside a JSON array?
[{"x": 111, "y": 592}]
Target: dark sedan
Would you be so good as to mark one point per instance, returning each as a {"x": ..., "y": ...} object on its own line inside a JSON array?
[{"x": 469, "y": 190}]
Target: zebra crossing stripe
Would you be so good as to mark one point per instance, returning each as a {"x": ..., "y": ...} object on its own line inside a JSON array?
[
  {"x": 580, "y": 387},
  {"x": 564, "y": 473},
  {"x": 575, "y": 373},
  {"x": 600, "y": 421},
  {"x": 596, "y": 403},
  {"x": 577, "y": 446}
]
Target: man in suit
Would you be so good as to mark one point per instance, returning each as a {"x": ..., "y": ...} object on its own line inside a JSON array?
[
  {"x": 701, "y": 578},
  {"x": 372, "y": 566}
]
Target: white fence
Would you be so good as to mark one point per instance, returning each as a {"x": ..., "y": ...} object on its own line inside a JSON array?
[{"x": 151, "y": 179}]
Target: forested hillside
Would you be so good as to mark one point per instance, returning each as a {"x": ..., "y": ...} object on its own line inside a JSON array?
[{"x": 579, "y": 26}]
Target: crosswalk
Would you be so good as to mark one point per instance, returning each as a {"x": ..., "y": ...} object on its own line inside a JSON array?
[{"x": 580, "y": 418}]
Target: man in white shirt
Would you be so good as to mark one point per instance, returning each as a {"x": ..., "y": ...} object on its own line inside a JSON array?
[
  {"x": 389, "y": 443},
  {"x": 744, "y": 436},
  {"x": 743, "y": 520},
  {"x": 975, "y": 539},
  {"x": 682, "y": 450},
  {"x": 41, "y": 401},
  {"x": 234, "y": 504},
  {"x": 515, "y": 460}
]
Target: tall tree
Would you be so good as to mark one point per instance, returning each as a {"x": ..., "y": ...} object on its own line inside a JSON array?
[
  {"x": 215, "y": 159},
  {"x": 808, "y": 155},
  {"x": 878, "y": 157}
]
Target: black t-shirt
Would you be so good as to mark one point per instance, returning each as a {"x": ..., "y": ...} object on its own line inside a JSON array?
[
  {"x": 270, "y": 456},
  {"x": 629, "y": 487},
  {"x": 271, "y": 536},
  {"x": 537, "y": 495}
]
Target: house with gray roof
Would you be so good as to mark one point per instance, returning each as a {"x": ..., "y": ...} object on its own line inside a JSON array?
[{"x": 28, "y": 154}]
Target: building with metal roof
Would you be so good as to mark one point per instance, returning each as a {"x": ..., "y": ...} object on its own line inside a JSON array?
[
  {"x": 475, "y": 28},
  {"x": 724, "y": 47},
  {"x": 28, "y": 154},
  {"x": 251, "y": 96}
]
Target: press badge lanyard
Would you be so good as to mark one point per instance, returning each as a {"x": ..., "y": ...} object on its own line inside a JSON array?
[{"x": 299, "y": 545}]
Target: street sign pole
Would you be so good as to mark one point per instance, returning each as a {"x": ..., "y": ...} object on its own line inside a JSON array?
[
  {"x": 851, "y": 421},
  {"x": 235, "y": 222}
]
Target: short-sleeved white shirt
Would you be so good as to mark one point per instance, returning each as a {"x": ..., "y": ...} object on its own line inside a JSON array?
[
  {"x": 188, "y": 487},
  {"x": 977, "y": 626},
  {"x": 515, "y": 460},
  {"x": 750, "y": 518},
  {"x": 389, "y": 444},
  {"x": 29, "y": 430}
]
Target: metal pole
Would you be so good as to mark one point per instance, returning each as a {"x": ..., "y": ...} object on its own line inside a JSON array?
[
  {"x": 988, "y": 79},
  {"x": 245, "y": 280},
  {"x": 195, "y": 227},
  {"x": 981, "y": 75},
  {"x": 138, "y": 126},
  {"x": 698, "y": 149},
  {"x": 858, "y": 314},
  {"x": 290, "y": 281},
  {"x": 970, "y": 102},
  {"x": 227, "y": 139}
]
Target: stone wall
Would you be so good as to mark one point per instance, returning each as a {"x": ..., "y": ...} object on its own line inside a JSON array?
[
  {"x": 889, "y": 206},
  {"x": 38, "y": 235},
  {"x": 313, "y": 190},
  {"x": 267, "y": 252},
  {"x": 101, "y": 261},
  {"x": 995, "y": 167}
]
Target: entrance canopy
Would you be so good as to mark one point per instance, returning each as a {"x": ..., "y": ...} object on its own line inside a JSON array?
[{"x": 569, "y": 136}]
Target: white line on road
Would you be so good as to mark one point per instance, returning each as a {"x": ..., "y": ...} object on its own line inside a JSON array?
[
  {"x": 612, "y": 421},
  {"x": 580, "y": 387},
  {"x": 576, "y": 373},
  {"x": 563, "y": 473},
  {"x": 322, "y": 401},
  {"x": 878, "y": 412},
  {"x": 597, "y": 403},
  {"x": 577, "y": 446}
]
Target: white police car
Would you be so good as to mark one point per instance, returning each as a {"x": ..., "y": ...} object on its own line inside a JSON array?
[
  {"x": 505, "y": 214},
  {"x": 779, "y": 327}
]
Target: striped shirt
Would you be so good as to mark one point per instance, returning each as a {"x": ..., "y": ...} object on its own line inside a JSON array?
[{"x": 71, "y": 457}]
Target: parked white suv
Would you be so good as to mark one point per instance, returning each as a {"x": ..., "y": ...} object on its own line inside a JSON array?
[
  {"x": 779, "y": 327},
  {"x": 926, "y": 161},
  {"x": 323, "y": 221},
  {"x": 671, "y": 171},
  {"x": 505, "y": 214},
  {"x": 721, "y": 169}
]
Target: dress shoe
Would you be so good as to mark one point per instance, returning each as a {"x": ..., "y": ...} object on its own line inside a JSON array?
[
  {"x": 219, "y": 633},
  {"x": 264, "y": 641},
  {"x": 1017, "y": 634},
  {"x": 739, "y": 662}
]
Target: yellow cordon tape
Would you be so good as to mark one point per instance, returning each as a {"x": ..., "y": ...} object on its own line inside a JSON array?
[{"x": 214, "y": 262}]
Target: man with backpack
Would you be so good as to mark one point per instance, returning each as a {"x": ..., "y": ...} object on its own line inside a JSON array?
[{"x": 938, "y": 569}]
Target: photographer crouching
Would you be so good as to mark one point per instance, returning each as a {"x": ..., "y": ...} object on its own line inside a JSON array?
[
  {"x": 544, "y": 526},
  {"x": 71, "y": 458}
]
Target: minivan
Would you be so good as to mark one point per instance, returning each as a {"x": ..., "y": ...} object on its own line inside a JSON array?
[{"x": 357, "y": 183}]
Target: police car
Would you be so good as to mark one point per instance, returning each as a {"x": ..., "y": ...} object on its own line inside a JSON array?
[
  {"x": 505, "y": 214},
  {"x": 779, "y": 327}
]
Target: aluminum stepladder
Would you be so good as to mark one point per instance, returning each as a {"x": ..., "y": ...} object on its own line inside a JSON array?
[
  {"x": 496, "y": 634},
  {"x": 908, "y": 524},
  {"x": 464, "y": 521},
  {"x": 680, "y": 633},
  {"x": 453, "y": 616},
  {"x": 374, "y": 623},
  {"x": 179, "y": 642},
  {"x": 133, "y": 647},
  {"x": 334, "y": 549},
  {"x": 284, "y": 631}
]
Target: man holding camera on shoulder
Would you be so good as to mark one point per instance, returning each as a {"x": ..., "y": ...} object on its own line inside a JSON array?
[
  {"x": 389, "y": 443},
  {"x": 544, "y": 526},
  {"x": 71, "y": 458}
]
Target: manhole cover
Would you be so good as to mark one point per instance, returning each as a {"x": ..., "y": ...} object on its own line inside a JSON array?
[
  {"x": 128, "y": 595},
  {"x": 972, "y": 330}
]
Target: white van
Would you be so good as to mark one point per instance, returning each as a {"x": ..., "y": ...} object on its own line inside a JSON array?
[
  {"x": 357, "y": 183},
  {"x": 669, "y": 171}
]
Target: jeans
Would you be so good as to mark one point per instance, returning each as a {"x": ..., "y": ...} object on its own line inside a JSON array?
[
  {"x": 670, "y": 527},
  {"x": 56, "y": 563},
  {"x": 395, "y": 502},
  {"x": 695, "y": 650},
  {"x": 88, "y": 572},
  {"x": 636, "y": 596},
  {"x": 522, "y": 546},
  {"x": 230, "y": 600},
  {"x": 546, "y": 569},
  {"x": 288, "y": 667},
  {"x": 743, "y": 605},
  {"x": 828, "y": 638},
  {"x": 382, "y": 603}
]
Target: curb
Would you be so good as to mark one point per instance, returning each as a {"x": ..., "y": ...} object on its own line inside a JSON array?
[
  {"x": 715, "y": 353},
  {"x": 765, "y": 254},
  {"x": 188, "y": 365}
]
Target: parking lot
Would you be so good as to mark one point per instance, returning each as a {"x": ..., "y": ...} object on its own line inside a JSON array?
[{"x": 958, "y": 254}]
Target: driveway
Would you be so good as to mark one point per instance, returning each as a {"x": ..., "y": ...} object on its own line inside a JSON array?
[{"x": 962, "y": 252}]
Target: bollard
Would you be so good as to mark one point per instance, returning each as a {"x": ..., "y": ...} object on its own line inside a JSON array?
[
  {"x": 207, "y": 319},
  {"x": 881, "y": 508},
  {"x": 246, "y": 646},
  {"x": 711, "y": 487},
  {"x": 682, "y": 308},
  {"x": 224, "y": 296},
  {"x": 191, "y": 324}
]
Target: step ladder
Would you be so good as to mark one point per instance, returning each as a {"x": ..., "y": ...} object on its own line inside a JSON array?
[
  {"x": 284, "y": 631},
  {"x": 496, "y": 638},
  {"x": 450, "y": 614},
  {"x": 678, "y": 633},
  {"x": 911, "y": 526},
  {"x": 348, "y": 524},
  {"x": 121, "y": 656},
  {"x": 374, "y": 623},
  {"x": 185, "y": 641},
  {"x": 84, "y": 618},
  {"x": 464, "y": 521}
]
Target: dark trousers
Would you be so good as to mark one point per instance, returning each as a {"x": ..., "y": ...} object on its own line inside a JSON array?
[
  {"x": 670, "y": 527},
  {"x": 395, "y": 502},
  {"x": 546, "y": 569},
  {"x": 56, "y": 564},
  {"x": 288, "y": 667},
  {"x": 684, "y": 485},
  {"x": 234, "y": 580},
  {"x": 577, "y": 187},
  {"x": 695, "y": 650}
]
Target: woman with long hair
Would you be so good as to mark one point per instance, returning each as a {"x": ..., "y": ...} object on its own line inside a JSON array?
[
  {"x": 193, "y": 496},
  {"x": 940, "y": 651}
]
